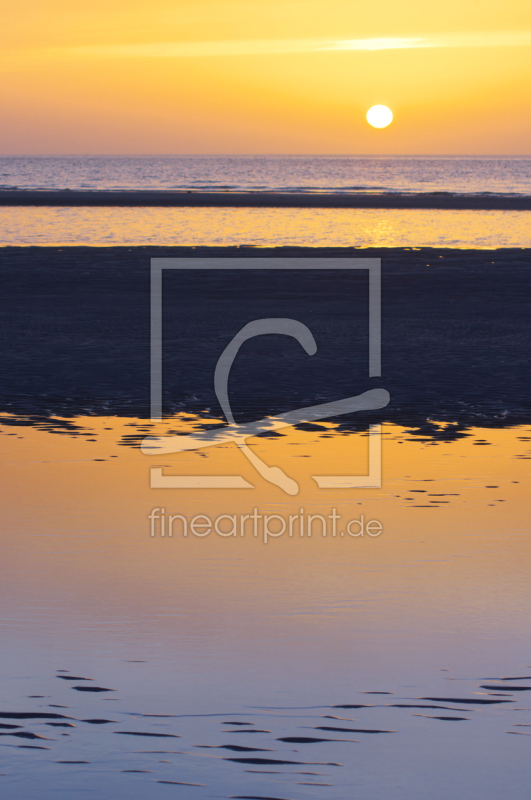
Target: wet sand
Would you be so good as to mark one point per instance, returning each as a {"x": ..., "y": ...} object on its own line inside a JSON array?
[
  {"x": 455, "y": 334},
  {"x": 429, "y": 200}
]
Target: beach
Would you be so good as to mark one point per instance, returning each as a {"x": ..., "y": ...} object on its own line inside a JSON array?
[
  {"x": 278, "y": 620},
  {"x": 454, "y": 338}
]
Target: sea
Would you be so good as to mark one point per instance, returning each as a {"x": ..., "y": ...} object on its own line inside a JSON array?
[
  {"x": 481, "y": 175},
  {"x": 328, "y": 611}
]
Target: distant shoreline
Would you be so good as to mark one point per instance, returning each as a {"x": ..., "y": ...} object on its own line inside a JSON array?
[{"x": 435, "y": 200}]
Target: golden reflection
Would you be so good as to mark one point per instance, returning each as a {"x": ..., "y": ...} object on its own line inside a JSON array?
[
  {"x": 264, "y": 227},
  {"x": 76, "y": 530},
  {"x": 440, "y": 492}
]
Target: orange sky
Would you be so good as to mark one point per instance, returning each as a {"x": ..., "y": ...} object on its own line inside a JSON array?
[{"x": 265, "y": 76}]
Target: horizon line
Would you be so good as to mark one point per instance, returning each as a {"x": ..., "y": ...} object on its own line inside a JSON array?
[{"x": 265, "y": 155}]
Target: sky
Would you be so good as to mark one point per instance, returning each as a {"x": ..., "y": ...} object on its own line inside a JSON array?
[{"x": 265, "y": 76}]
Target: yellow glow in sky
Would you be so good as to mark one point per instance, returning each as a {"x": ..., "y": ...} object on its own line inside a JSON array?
[{"x": 286, "y": 76}]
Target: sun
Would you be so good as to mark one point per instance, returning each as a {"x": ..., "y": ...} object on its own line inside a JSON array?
[{"x": 379, "y": 116}]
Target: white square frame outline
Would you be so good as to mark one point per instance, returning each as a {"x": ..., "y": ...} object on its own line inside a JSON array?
[{"x": 373, "y": 480}]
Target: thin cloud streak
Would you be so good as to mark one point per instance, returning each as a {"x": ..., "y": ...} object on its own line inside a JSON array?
[
  {"x": 27, "y": 58},
  {"x": 249, "y": 48},
  {"x": 280, "y": 46}
]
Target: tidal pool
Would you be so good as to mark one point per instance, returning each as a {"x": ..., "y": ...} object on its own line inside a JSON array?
[{"x": 305, "y": 667}]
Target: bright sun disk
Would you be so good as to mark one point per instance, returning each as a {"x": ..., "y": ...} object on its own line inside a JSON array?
[{"x": 379, "y": 116}]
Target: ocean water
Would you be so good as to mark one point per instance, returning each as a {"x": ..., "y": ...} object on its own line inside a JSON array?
[
  {"x": 506, "y": 175},
  {"x": 263, "y": 227},
  {"x": 267, "y": 227}
]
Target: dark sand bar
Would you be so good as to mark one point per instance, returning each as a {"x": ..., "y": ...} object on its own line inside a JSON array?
[
  {"x": 434, "y": 200},
  {"x": 75, "y": 329}
]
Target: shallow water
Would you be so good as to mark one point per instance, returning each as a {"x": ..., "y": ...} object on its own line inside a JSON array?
[
  {"x": 222, "y": 630},
  {"x": 263, "y": 227}
]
